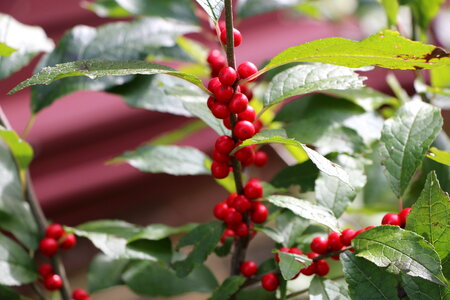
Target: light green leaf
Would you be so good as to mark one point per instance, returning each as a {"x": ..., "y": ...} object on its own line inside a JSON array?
[
  {"x": 306, "y": 210},
  {"x": 325, "y": 289},
  {"x": 440, "y": 77},
  {"x": 174, "y": 160},
  {"x": 106, "y": 8},
  {"x": 440, "y": 156},
  {"x": 248, "y": 8},
  {"x": 152, "y": 279},
  {"x": 212, "y": 7},
  {"x": 9, "y": 294},
  {"x": 303, "y": 79},
  {"x": 230, "y": 286},
  {"x": 288, "y": 228},
  {"x": 21, "y": 150},
  {"x": 16, "y": 266},
  {"x": 367, "y": 281},
  {"x": 391, "y": 8},
  {"x": 400, "y": 251},
  {"x": 405, "y": 139},
  {"x": 157, "y": 232},
  {"x": 204, "y": 239},
  {"x": 195, "y": 49},
  {"x": 424, "y": 10},
  {"x": 28, "y": 41},
  {"x": 290, "y": 264},
  {"x": 105, "y": 272}
]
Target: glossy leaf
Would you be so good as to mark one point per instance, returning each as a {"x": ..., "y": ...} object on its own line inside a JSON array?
[
  {"x": 204, "y": 239},
  {"x": 21, "y": 150},
  {"x": 16, "y": 266},
  {"x": 325, "y": 289},
  {"x": 307, "y": 78},
  {"x": 366, "y": 97},
  {"x": 290, "y": 264},
  {"x": 152, "y": 279},
  {"x": 400, "y": 251},
  {"x": 302, "y": 175},
  {"x": 212, "y": 7},
  {"x": 230, "y": 286},
  {"x": 105, "y": 272},
  {"x": 440, "y": 156},
  {"x": 9, "y": 294},
  {"x": 306, "y": 210},
  {"x": 248, "y": 8},
  {"x": 419, "y": 289},
  {"x": 157, "y": 232},
  {"x": 288, "y": 228},
  {"x": 405, "y": 139},
  {"x": 27, "y": 41},
  {"x": 367, "y": 281},
  {"x": 391, "y": 7},
  {"x": 106, "y": 8},
  {"x": 423, "y": 10}
]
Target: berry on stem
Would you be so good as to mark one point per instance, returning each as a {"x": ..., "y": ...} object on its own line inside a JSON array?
[
  {"x": 334, "y": 242},
  {"x": 347, "y": 236},
  {"x": 224, "y": 144},
  {"x": 244, "y": 130},
  {"x": 227, "y": 76},
  {"x": 246, "y": 69},
  {"x": 54, "y": 231},
  {"x": 220, "y": 210},
  {"x": 214, "y": 84},
  {"x": 244, "y": 154},
  {"x": 233, "y": 217},
  {"x": 53, "y": 282},
  {"x": 322, "y": 267},
  {"x": 270, "y": 282},
  {"x": 238, "y": 103},
  {"x": 69, "y": 241},
  {"x": 259, "y": 214},
  {"x": 319, "y": 245},
  {"x": 223, "y": 93},
  {"x": 248, "y": 268},
  {"x": 80, "y": 294},
  {"x": 242, "y": 230},
  {"x": 217, "y": 156},
  {"x": 231, "y": 199},
  {"x": 219, "y": 170},
  {"x": 403, "y": 215},
  {"x": 311, "y": 269},
  {"x": 242, "y": 204},
  {"x": 226, "y": 234},
  {"x": 236, "y": 36},
  {"x": 220, "y": 110},
  {"x": 260, "y": 158},
  {"x": 284, "y": 249},
  {"x": 248, "y": 114},
  {"x": 48, "y": 246},
  {"x": 253, "y": 189},
  {"x": 295, "y": 251},
  {"x": 391, "y": 219},
  {"x": 45, "y": 270}
]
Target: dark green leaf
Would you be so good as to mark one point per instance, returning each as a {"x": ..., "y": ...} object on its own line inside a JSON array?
[
  {"x": 212, "y": 7},
  {"x": 16, "y": 266},
  {"x": 157, "y": 232},
  {"x": 9, "y": 294},
  {"x": 366, "y": 97},
  {"x": 21, "y": 150},
  {"x": 106, "y": 9},
  {"x": 230, "y": 286},
  {"x": 225, "y": 248},
  {"x": 420, "y": 289},
  {"x": 258, "y": 293},
  {"x": 440, "y": 156},
  {"x": 302, "y": 175},
  {"x": 423, "y": 10},
  {"x": 105, "y": 272},
  {"x": 325, "y": 289},
  {"x": 405, "y": 139},
  {"x": 290, "y": 264},
  {"x": 400, "y": 251},
  {"x": 248, "y": 8},
  {"x": 367, "y": 281},
  {"x": 204, "y": 239},
  {"x": 152, "y": 279}
]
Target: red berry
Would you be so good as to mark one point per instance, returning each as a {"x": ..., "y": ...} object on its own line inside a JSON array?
[
  {"x": 246, "y": 69},
  {"x": 259, "y": 213},
  {"x": 311, "y": 269},
  {"x": 220, "y": 110},
  {"x": 214, "y": 84},
  {"x": 217, "y": 65},
  {"x": 227, "y": 123},
  {"x": 284, "y": 249},
  {"x": 219, "y": 170},
  {"x": 253, "y": 189},
  {"x": 246, "y": 91},
  {"x": 69, "y": 241},
  {"x": 347, "y": 236},
  {"x": 369, "y": 227},
  {"x": 220, "y": 210},
  {"x": 242, "y": 204},
  {"x": 391, "y": 219},
  {"x": 403, "y": 215},
  {"x": 213, "y": 56},
  {"x": 258, "y": 125},
  {"x": 80, "y": 294},
  {"x": 244, "y": 130},
  {"x": 53, "y": 282},
  {"x": 236, "y": 36},
  {"x": 319, "y": 245},
  {"x": 242, "y": 230},
  {"x": 227, "y": 75},
  {"x": 359, "y": 232},
  {"x": 322, "y": 267},
  {"x": 211, "y": 102},
  {"x": 231, "y": 199},
  {"x": 260, "y": 158},
  {"x": 249, "y": 161},
  {"x": 217, "y": 156},
  {"x": 48, "y": 246},
  {"x": 222, "y": 25},
  {"x": 45, "y": 270},
  {"x": 54, "y": 231},
  {"x": 224, "y": 144},
  {"x": 233, "y": 217},
  {"x": 244, "y": 154},
  {"x": 249, "y": 268},
  {"x": 238, "y": 103},
  {"x": 334, "y": 242},
  {"x": 270, "y": 282},
  {"x": 223, "y": 93},
  {"x": 226, "y": 234},
  {"x": 248, "y": 114},
  {"x": 295, "y": 251}
]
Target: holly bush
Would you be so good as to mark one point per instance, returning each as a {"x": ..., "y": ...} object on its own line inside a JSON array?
[{"x": 350, "y": 151}]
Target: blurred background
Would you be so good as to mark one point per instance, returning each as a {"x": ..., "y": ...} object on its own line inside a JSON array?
[{"x": 75, "y": 136}]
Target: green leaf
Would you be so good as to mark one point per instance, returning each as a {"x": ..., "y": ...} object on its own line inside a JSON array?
[
  {"x": 178, "y": 134},
  {"x": 157, "y": 232},
  {"x": 366, "y": 97},
  {"x": 174, "y": 160},
  {"x": 303, "y": 175},
  {"x": 16, "y": 266},
  {"x": 440, "y": 77},
  {"x": 152, "y": 279},
  {"x": 290, "y": 264},
  {"x": 106, "y": 8},
  {"x": 386, "y": 49},
  {"x": 440, "y": 156},
  {"x": 195, "y": 49},
  {"x": 400, "y": 251},
  {"x": 367, "y": 281},
  {"x": 405, "y": 139},
  {"x": 105, "y": 272},
  {"x": 325, "y": 289},
  {"x": 257, "y": 293},
  {"x": 303, "y": 79},
  {"x": 420, "y": 289},
  {"x": 212, "y": 7},
  {"x": 28, "y": 41},
  {"x": 9, "y": 294},
  {"x": 391, "y": 7},
  {"x": 21, "y": 150},
  {"x": 225, "y": 248},
  {"x": 204, "y": 239},
  {"x": 306, "y": 210},
  {"x": 230, "y": 286},
  {"x": 248, "y": 8},
  {"x": 288, "y": 228},
  {"x": 424, "y": 11}
]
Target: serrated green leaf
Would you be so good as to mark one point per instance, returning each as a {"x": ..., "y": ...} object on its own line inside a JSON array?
[
  {"x": 419, "y": 289},
  {"x": 204, "y": 239},
  {"x": 106, "y": 8},
  {"x": 290, "y": 264},
  {"x": 105, "y": 272},
  {"x": 400, "y": 251},
  {"x": 391, "y": 7},
  {"x": 307, "y": 210},
  {"x": 174, "y": 160},
  {"x": 367, "y": 281},
  {"x": 212, "y": 7},
  {"x": 302, "y": 175},
  {"x": 325, "y": 289},
  {"x": 230, "y": 286},
  {"x": 28, "y": 41},
  {"x": 157, "y": 232},
  {"x": 21, "y": 150},
  {"x": 303, "y": 79},
  {"x": 440, "y": 156},
  {"x": 16, "y": 266},
  {"x": 9, "y": 294},
  {"x": 248, "y": 8},
  {"x": 423, "y": 10},
  {"x": 405, "y": 139},
  {"x": 152, "y": 279},
  {"x": 288, "y": 228}
]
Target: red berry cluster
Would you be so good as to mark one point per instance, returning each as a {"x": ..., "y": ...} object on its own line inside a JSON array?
[
  {"x": 396, "y": 219},
  {"x": 51, "y": 281},
  {"x": 56, "y": 237},
  {"x": 80, "y": 294}
]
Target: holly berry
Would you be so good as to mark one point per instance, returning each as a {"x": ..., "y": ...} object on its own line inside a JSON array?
[
  {"x": 220, "y": 110},
  {"x": 322, "y": 267},
  {"x": 53, "y": 282},
  {"x": 246, "y": 91},
  {"x": 258, "y": 125},
  {"x": 231, "y": 199},
  {"x": 242, "y": 204},
  {"x": 238, "y": 103},
  {"x": 219, "y": 170},
  {"x": 227, "y": 76},
  {"x": 217, "y": 156},
  {"x": 270, "y": 282},
  {"x": 244, "y": 130},
  {"x": 220, "y": 210},
  {"x": 223, "y": 93},
  {"x": 391, "y": 219},
  {"x": 246, "y": 69},
  {"x": 233, "y": 217},
  {"x": 236, "y": 36},
  {"x": 69, "y": 241},
  {"x": 347, "y": 236},
  {"x": 319, "y": 245},
  {"x": 227, "y": 123},
  {"x": 259, "y": 214},
  {"x": 249, "y": 268},
  {"x": 311, "y": 269},
  {"x": 242, "y": 230},
  {"x": 403, "y": 215},
  {"x": 213, "y": 56},
  {"x": 284, "y": 249},
  {"x": 260, "y": 158},
  {"x": 248, "y": 114},
  {"x": 48, "y": 246},
  {"x": 226, "y": 234},
  {"x": 54, "y": 231},
  {"x": 45, "y": 270},
  {"x": 253, "y": 189},
  {"x": 295, "y": 251},
  {"x": 224, "y": 144},
  {"x": 244, "y": 154},
  {"x": 214, "y": 84},
  {"x": 80, "y": 294},
  {"x": 334, "y": 242}
]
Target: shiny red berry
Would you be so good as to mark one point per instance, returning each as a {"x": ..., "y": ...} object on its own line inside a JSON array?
[
  {"x": 231, "y": 199},
  {"x": 226, "y": 234},
  {"x": 391, "y": 219},
  {"x": 48, "y": 246},
  {"x": 249, "y": 268},
  {"x": 295, "y": 251},
  {"x": 217, "y": 65},
  {"x": 246, "y": 69},
  {"x": 284, "y": 249},
  {"x": 224, "y": 144},
  {"x": 236, "y": 36},
  {"x": 334, "y": 242},
  {"x": 241, "y": 230},
  {"x": 244, "y": 154},
  {"x": 80, "y": 294},
  {"x": 220, "y": 157},
  {"x": 227, "y": 75},
  {"x": 219, "y": 170},
  {"x": 248, "y": 114},
  {"x": 311, "y": 269},
  {"x": 347, "y": 236},
  {"x": 238, "y": 103},
  {"x": 233, "y": 217},
  {"x": 403, "y": 216},
  {"x": 214, "y": 84},
  {"x": 223, "y": 93},
  {"x": 227, "y": 123},
  {"x": 322, "y": 267},
  {"x": 260, "y": 158},
  {"x": 258, "y": 125},
  {"x": 45, "y": 270},
  {"x": 54, "y": 231},
  {"x": 246, "y": 91},
  {"x": 214, "y": 55},
  {"x": 69, "y": 241},
  {"x": 253, "y": 189},
  {"x": 244, "y": 130},
  {"x": 359, "y": 232},
  {"x": 242, "y": 204},
  {"x": 259, "y": 214},
  {"x": 53, "y": 282},
  {"x": 220, "y": 110},
  {"x": 319, "y": 245},
  {"x": 220, "y": 210},
  {"x": 270, "y": 282}
]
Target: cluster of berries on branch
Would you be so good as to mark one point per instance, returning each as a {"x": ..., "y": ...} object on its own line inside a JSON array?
[{"x": 80, "y": 294}]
